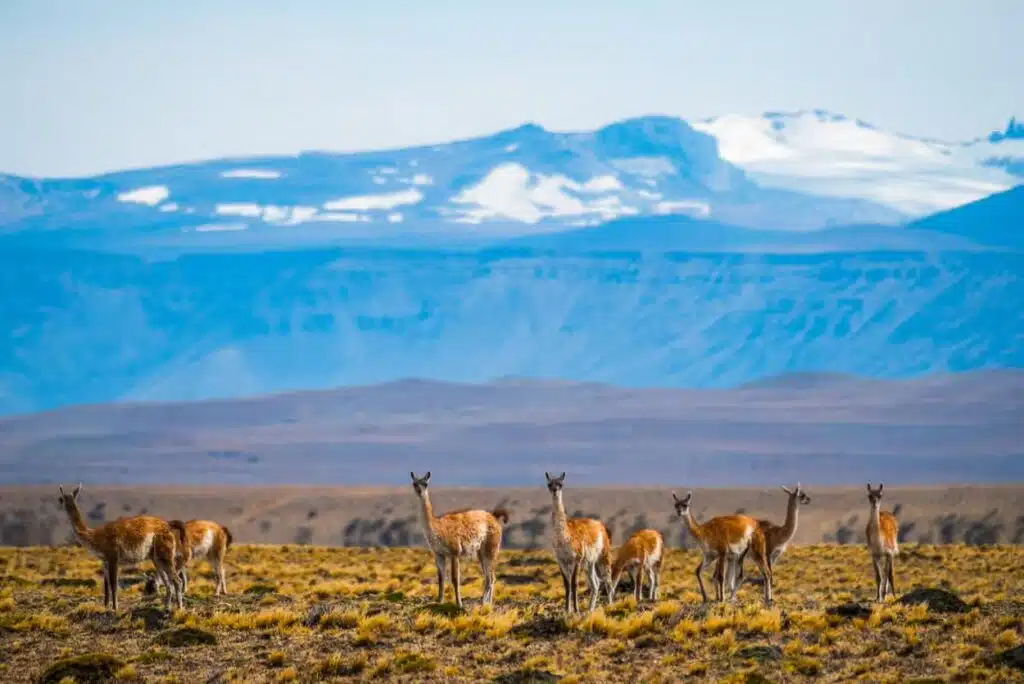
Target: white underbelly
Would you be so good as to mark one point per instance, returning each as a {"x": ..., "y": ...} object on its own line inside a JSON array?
[
  {"x": 138, "y": 553},
  {"x": 202, "y": 549}
]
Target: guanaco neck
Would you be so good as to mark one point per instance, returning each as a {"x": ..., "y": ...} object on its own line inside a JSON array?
[
  {"x": 82, "y": 531},
  {"x": 874, "y": 519},
  {"x": 789, "y": 527},
  {"x": 559, "y": 520},
  {"x": 427, "y": 515},
  {"x": 692, "y": 526}
]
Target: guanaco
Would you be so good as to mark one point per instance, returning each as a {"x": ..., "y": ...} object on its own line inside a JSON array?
[
  {"x": 579, "y": 544},
  {"x": 881, "y": 533},
  {"x": 127, "y": 541},
  {"x": 778, "y": 537},
  {"x": 640, "y": 555},
  {"x": 461, "y": 534},
  {"x": 204, "y": 540},
  {"x": 723, "y": 540}
]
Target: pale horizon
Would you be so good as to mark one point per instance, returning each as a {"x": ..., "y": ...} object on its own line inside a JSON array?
[{"x": 115, "y": 86}]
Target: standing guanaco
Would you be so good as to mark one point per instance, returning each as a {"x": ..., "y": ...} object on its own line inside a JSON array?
[
  {"x": 640, "y": 555},
  {"x": 205, "y": 540},
  {"x": 881, "y": 533},
  {"x": 778, "y": 537},
  {"x": 461, "y": 534},
  {"x": 579, "y": 544},
  {"x": 127, "y": 541},
  {"x": 723, "y": 540}
]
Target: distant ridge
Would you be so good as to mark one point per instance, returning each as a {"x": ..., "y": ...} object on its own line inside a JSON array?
[{"x": 822, "y": 428}]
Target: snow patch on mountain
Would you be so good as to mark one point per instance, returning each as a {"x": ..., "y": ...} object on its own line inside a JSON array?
[
  {"x": 220, "y": 227},
  {"x": 250, "y": 210},
  {"x": 832, "y": 155},
  {"x": 693, "y": 208},
  {"x": 370, "y": 202},
  {"x": 270, "y": 213},
  {"x": 150, "y": 196},
  {"x": 511, "y": 191},
  {"x": 258, "y": 174}
]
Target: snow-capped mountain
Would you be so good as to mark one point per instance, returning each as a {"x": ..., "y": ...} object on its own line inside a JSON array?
[
  {"x": 698, "y": 275},
  {"x": 833, "y": 155},
  {"x": 523, "y": 180}
]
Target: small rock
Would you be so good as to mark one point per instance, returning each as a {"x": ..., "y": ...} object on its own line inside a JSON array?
[
  {"x": 84, "y": 669},
  {"x": 153, "y": 618},
  {"x": 186, "y": 636},
  {"x": 849, "y": 610},
  {"x": 938, "y": 600},
  {"x": 527, "y": 677},
  {"x": 1013, "y": 657},
  {"x": 650, "y": 641},
  {"x": 444, "y": 609},
  {"x": 542, "y": 627},
  {"x": 68, "y": 582},
  {"x": 760, "y": 652}
]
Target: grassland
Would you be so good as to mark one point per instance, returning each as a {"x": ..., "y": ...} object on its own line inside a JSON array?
[{"x": 301, "y": 613}]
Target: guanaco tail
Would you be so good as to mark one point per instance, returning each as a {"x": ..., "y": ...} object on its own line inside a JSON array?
[
  {"x": 579, "y": 544},
  {"x": 461, "y": 534},
  {"x": 881, "y": 533},
  {"x": 128, "y": 541}
]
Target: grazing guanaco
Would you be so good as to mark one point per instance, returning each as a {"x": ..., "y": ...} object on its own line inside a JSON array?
[
  {"x": 640, "y": 555},
  {"x": 723, "y": 540},
  {"x": 204, "y": 540},
  {"x": 778, "y": 537},
  {"x": 128, "y": 541},
  {"x": 461, "y": 534},
  {"x": 579, "y": 544},
  {"x": 882, "y": 532}
]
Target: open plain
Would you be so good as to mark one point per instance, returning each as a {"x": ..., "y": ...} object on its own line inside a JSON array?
[{"x": 307, "y": 613}]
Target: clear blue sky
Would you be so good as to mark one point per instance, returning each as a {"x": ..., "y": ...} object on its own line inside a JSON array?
[{"x": 107, "y": 84}]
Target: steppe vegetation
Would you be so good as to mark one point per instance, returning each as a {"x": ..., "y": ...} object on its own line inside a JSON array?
[{"x": 306, "y": 613}]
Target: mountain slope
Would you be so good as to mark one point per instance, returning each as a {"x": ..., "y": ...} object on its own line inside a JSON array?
[
  {"x": 997, "y": 221},
  {"x": 91, "y": 327},
  {"x": 830, "y": 154}
]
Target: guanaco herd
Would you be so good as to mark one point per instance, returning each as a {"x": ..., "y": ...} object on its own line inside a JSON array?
[{"x": 580, "y": 545}]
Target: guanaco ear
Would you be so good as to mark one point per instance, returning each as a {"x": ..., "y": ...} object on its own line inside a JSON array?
[
  {"x": 74, "y": 494},
  {"x": 788, "y": 490},
  {"x": 869, "y": 487},
  {"x": 61, "y": 488},
  {"x": 880, "y": 485},
  {"x": 426, "y": 478},
  {"x": 561, "y": 477},
  {"x": 674, "y": 497},
  {"x": 412, "y": 475},
  {"x": 546, "y": 476}
]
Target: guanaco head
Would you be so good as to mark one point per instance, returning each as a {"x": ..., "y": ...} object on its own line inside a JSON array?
[
  {"x": 682, "y": 505},
  {"x": 554, "y": 483},
  {"x": 419, "y": 484},
  {"x": 875, "y": 495},
  {"x": 799, "y": 494},
  {"x": 69, "y": 501}
]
